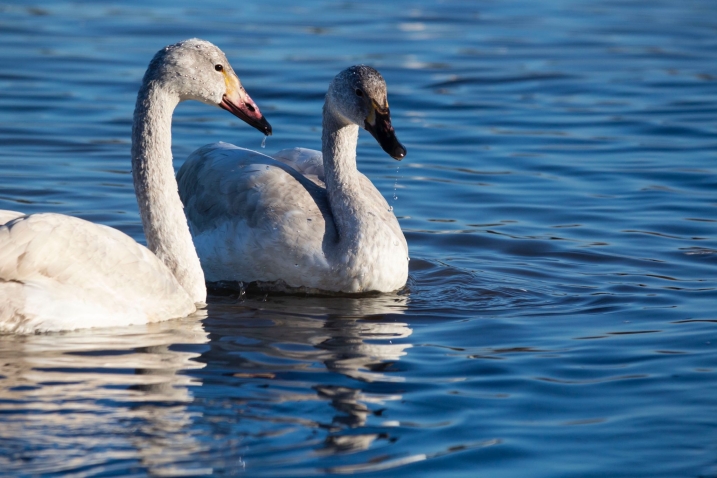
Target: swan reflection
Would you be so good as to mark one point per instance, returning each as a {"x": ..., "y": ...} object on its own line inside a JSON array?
[
  {"x": 252, "y": 379},
  {"x": 342, "y": 345},
  {"x": 81, "y": 398}
]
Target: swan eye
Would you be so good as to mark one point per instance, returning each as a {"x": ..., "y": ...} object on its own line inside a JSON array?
[
  {"x": 359, "y": 92},
  {"x": 219, "y": 67}
]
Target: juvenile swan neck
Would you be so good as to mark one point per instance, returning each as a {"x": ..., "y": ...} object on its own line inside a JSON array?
[
  {"x": 339, "y": 139},
  {"x": 160, "y": 208}
]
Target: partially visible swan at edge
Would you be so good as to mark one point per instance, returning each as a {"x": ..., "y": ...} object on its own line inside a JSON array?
[
  {"x": 301, "y": 221},
  {"x": 59, "y": 272}
]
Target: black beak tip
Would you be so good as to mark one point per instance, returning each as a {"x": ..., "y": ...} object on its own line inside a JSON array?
[
  {"x": 399, "y": 152},
  {"x": 267, "y": 127},
  {"x": 387, "y": 139}
]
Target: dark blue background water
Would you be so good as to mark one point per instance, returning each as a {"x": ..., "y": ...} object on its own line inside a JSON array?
[{"x": 560, "y": 203}]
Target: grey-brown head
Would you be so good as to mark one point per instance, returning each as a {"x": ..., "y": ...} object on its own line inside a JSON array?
[
  {"x": 359, "y": 95},
  {"x": 197, "y": 70}
]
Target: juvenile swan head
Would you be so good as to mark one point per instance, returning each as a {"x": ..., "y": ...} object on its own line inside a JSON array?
[
  {"x": 358, "y": 95},
  {"x": 197, "y": 70}
]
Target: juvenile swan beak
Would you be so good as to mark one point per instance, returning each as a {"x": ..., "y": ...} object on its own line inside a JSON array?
[
  {"x": 378, "y": 124},
  {"x": 238, "y": 102}
]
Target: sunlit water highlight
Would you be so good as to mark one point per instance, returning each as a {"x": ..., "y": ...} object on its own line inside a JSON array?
[{"x": 559, "y": 198}]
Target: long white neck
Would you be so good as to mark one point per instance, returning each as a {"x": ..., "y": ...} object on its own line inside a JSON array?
[
  {"x": 343, "y": 186},
  {"x": 160, "y": 208}
]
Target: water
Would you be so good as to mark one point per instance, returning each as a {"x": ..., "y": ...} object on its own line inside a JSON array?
[{"x": 559, "y": 198}]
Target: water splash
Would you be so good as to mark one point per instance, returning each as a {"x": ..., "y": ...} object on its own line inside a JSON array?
[{"x": 263, "y": 142}]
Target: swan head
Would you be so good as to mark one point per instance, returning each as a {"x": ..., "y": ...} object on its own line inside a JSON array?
[
  {"x": 358, "y": 94},
  {"x": 198, "y": 70}
]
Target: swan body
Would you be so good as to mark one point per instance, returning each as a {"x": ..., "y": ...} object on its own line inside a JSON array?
[
  {"x": 301, "y": 220},
  {"x": 60, "y": 273},
  {"x": 7, "y": 216}
]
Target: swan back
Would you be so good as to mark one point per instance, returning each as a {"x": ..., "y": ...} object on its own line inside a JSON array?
[
  {"x": 60, "y": 273},
  {"x": 7, "y": 216}
]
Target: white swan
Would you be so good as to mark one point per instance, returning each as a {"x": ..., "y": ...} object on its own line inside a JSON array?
[
  {"x": 60, "y": 272},
  {"x": 295, "y": 221}
]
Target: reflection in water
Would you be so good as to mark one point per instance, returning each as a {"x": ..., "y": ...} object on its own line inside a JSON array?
[
  {"x": 558, "y": 196},
  {"x": 355, "y": 352},
  {"x": 95, "y": 397},
  {"x": 133, "y": 397},
  {"x": 343, "y": 347},
  {"x": 361, "y": 351}
]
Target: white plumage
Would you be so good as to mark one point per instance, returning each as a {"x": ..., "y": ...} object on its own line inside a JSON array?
[
  {"x": 60, "y": 272},
  {"x": 301, "y": 220}
]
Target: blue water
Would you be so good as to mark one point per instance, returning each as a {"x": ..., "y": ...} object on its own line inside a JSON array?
[{"x": 559, "y": 198}]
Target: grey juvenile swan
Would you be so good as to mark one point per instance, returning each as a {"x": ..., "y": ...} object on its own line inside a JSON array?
[
  {"x": 301, "y": 220},
  {"x": 60, "y": 272}
]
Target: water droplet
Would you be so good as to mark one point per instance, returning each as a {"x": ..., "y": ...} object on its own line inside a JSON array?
[
  {"x": 390, "y": 208},
  {"x": 263, "y": 142},
  {"x": 395, "y": 185},
  {"x": 265, "y": 297}
]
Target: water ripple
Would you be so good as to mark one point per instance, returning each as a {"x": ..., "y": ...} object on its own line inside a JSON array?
[{"x": 558, "y": 201}]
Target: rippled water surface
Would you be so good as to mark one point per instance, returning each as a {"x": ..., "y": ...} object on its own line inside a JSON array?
[{"x": 559, "y": 198}]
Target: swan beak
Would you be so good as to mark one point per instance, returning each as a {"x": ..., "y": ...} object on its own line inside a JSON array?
[
  {"x": 378, "y": 124},
  {"x": 238, "y": 102}
]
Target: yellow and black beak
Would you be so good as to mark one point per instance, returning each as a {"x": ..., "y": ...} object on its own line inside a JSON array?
[
  {"x": 378, "y": 124},
  {"x": 238, "y": 102}
]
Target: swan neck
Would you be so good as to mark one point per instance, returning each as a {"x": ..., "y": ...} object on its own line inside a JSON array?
[
  {"x": 160, "y": 207},
  {"x": 339, "y": 140}
]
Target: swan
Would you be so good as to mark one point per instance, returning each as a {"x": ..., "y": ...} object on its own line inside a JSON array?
[
  {"x": 61, "y": 273},
  {"x": 301, "y": 220}
]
